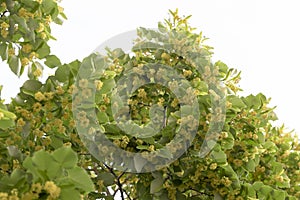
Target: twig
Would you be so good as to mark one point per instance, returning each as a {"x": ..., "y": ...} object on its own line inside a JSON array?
[
  {"x": 119, "y": 184},
  {"x": 3, "y": 14}
]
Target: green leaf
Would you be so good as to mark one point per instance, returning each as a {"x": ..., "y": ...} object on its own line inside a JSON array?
[
  {"x": 237, "y": 103},
  {"x": 6, "y": 123},
  {"x": 162, "y": 28},
  {"x": 70, "y": 194},
  {"x": 108, "y": 85},
  {"x": 14, "y": 152},
  {"x": 52, "y": 61},
  {"x": 30, "y": 87},
  {"x": 14, "y": 65},
  {"x": 254, "y": 101},
  {"x": 139, "y": 163},
  {"x": 277, "y": 168},
  {"x": 250, "y": 190},
  {"x": 29, "y": 165},
  {"x": 54, "y": 170},
  {"x": 48, "y": 6},
  {"x": 21, "y": 22},
  {"x": 86, "y": 68},
  {"x": 66, "y": 157},
  {"x": 250, "y": 166},
  {"x": 43, "y": 50},
  {"x": 102, "y": 117},
  {"x": 156, "y": 185},
  {"x": 107, "y": 178},
  {"x": 41, "y": 160},
  {"x": 261, "y": 137},
  {"x": 279, "y": 195},
  {"x": 219, "y": 156},
  {"x": 266, "y": 190},
  {"x": 56, "y": 142},
  {"x": 3, "y": 50},
  {"x": 62, "y": 73},
  {"x": 81, "y": 179},
  {"x": 257, "y": 185}
]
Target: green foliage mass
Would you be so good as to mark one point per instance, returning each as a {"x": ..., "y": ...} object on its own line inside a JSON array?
[{"x": 42, "y": 155}]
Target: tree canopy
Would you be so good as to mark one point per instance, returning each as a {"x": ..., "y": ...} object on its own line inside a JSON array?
[{"x": 160, "y": 122}]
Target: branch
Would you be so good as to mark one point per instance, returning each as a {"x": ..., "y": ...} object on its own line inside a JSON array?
[
  {"x": 3, "y": 14},
  {"x": 119, "y": 184}
]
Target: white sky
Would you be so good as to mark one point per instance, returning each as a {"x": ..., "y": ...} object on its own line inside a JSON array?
[{"x": 260, "y": 38}]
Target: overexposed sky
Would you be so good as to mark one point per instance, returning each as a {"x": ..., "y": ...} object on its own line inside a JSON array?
[{"x": 260, "y": 38}]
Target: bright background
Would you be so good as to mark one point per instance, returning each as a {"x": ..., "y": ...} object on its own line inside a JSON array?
[{"x": 260, "y": 38}]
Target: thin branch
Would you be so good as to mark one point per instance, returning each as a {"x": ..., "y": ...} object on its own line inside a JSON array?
[
  {"x": 119, "y": 184},
  {"x": 3, "y": 14}
]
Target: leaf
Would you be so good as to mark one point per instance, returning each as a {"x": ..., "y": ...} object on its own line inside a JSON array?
[
  {"x": 266, "y": 190},
  {"x": 219, "y": 156},
  {"x": 14, "y": 151},
  {"x": 107, "y": 178},
  {"x": 139, "y": 162},
  {"x": 261, "y": 137},
  {"x": 66, "y": 157},
  {"x": 30, "y": 87},
  {"x": 254, "y": 101},
  {"x": 43, "y": 50},
  {"x": 48, "y": 6},
  {"x": 54, "y": 170},
  {"x": 250, "y": 190},
  {"x": 56, "y": 142},
  {"x": 62, "y": 73},
  {"x": 81, "y": 179},
  {"x": 52, "y": 61},
  {"x": 250, "y": 166},
  {"x": 217, "y": 196},
  {"x": 21, "y": 22},
  {"x": 156, "y": 185},
  {"x": 70, "y": 194},
  {"x": 257, "y": 185},
  {"x": 162, "y": 28},
  {"x": 3, "y": 51},
  {"x": 14, "y": 65},
  {"x": 102, "y": 117},
  {"x": 41, "y": 160},
  {"x": 236, "y": 102},
  {"x": 108, "y": 85},
  {"x": 6, "y": 123},
  {"x": 279, "y": 195},
  {"x": 86, "y": 68},
  {"x": 29, "y": 165}
]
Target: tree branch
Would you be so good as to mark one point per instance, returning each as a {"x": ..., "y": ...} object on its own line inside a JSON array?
[{"x": 118, "y": 182}]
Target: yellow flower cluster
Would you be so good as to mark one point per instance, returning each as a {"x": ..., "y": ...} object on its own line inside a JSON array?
[
  {"x": 4, "y": 33},
  {"x": 52, "y": 190},
  {"x": 98, "y": 84},
  {"x": 39, "y": 96},
  {"x": 11, "y": 51},
  {"x": 25, "y": 14},
  {"x": 12, "y": 196},
  {"x": 4, "y": 25},
  {"x": 41, "y": 28},
  {"x": 25, "y": 61},
  {"x": 27, "y": 48},
  {"x": 4, "y": 29}
]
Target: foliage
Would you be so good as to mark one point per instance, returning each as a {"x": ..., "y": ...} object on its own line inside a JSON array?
[
  {"x": 25, "y": 31},
  {"x": 42, "y": 155}
]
